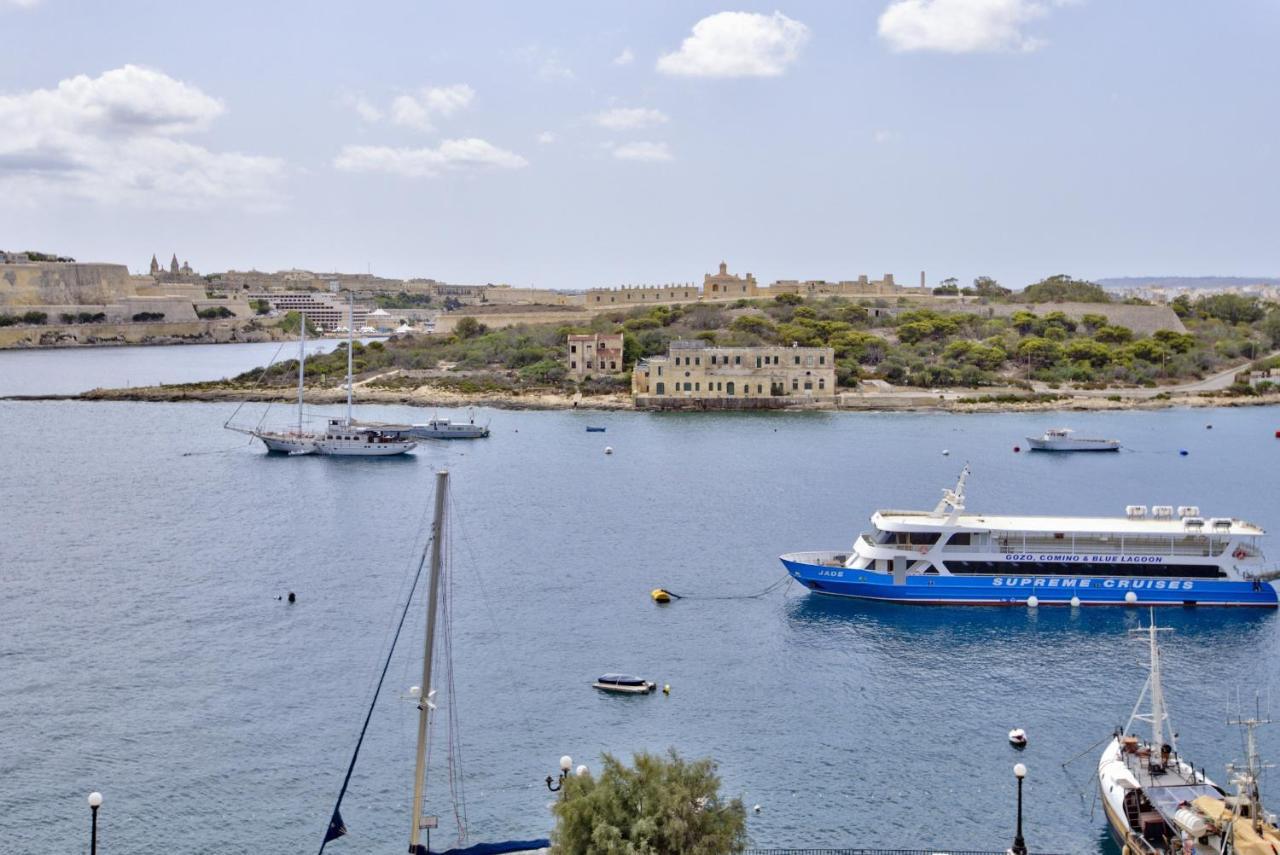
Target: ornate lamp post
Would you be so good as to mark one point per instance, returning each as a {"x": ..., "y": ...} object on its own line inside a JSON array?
[
  {"x": 95, "y": 802},
  {"x": 566, "y": 765},
  {"x": 1019, "y": 845}
]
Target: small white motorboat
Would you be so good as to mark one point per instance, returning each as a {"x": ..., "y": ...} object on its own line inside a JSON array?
[
  {"x": 624, "y": 684},
  {"x": 1065, "y": 439},
  {"x": 1018, "y": 738}
]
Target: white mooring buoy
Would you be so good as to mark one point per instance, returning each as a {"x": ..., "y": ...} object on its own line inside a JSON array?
[
  {"x": 1075, "y": 601},
  {"x": 608, "y": 449},
  {"x": 1033, "y": 601},
  {"x": 1131, "y": 598}
]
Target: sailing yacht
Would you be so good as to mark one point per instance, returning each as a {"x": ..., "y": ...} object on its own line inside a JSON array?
[
  {"x": 419, "y": 843},
  {"x": 343, "y": 437},
  {"x": 1156, "y": 802}
]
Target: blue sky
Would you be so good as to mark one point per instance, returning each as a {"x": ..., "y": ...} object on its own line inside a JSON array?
[{"x": 600, "y": 143}]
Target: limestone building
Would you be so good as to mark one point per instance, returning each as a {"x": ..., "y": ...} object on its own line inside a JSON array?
[
  {"x": 696, "y": 370},
  {"x": 323, "y": 310},
  {"x": 598, "y": 353},
  {"x": 723, "y": 285}
]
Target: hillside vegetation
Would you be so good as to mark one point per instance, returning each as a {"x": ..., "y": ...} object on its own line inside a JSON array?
[{"x": 909, "y": 346}]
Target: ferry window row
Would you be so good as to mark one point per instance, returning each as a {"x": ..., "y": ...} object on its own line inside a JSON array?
[{"x": 1084, "y": 568}]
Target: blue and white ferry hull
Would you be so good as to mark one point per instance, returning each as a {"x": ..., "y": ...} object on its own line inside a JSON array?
[{"x": 825, "y": 573}]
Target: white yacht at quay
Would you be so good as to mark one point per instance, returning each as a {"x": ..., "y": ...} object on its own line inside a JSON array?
[
  {"x": 1158, "y": 557},
  {"x": 343, "y": 437},
  {"x": 1065, "y": 439},
  {"x": 1157, "y": 802}
]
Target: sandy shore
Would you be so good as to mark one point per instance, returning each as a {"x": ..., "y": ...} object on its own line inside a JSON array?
[{"x": 921, "y": 400}]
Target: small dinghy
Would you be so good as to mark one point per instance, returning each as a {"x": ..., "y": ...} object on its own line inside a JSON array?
[
  {"x": 624, "y": 684},
  {"x": 595, "y": 429},
  {"x": 1018, "y": 738}
]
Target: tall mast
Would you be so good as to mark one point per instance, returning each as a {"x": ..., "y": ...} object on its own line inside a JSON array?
[
  {"x": 302, "y": 359},
  {"x": 424, "y": 700},
  {"x": 1157, "y": 692},
  {"x": 351, "y": 322}
]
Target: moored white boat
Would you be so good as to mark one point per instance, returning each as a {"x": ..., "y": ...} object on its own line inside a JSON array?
[
  {"x": 624, "y": 684},
  {"x": 1156, "y": 802},
  {"x": 343, "y": 437},
  {"x": 1065, "y": 439},
  {"x": 1165, "y": 557}
]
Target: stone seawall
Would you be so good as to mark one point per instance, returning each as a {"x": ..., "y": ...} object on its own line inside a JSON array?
[{"x": 158, "y": 332}]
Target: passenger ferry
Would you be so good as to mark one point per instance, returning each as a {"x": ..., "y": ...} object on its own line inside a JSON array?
[{"x": 1160, "y": 557}]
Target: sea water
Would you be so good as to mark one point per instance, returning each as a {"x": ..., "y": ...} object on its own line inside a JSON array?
[{"x": 147, "y": 651}]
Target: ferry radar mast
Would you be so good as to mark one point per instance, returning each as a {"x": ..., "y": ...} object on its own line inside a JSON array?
[{"x": 952, "y": 502}]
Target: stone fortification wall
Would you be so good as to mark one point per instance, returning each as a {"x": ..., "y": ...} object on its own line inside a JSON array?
[
  {"x": 53, "y": 284},
  {"x": 131, "y": 333}
]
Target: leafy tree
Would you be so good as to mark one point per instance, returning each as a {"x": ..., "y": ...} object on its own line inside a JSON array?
[
  {"x": 985, "y": 286},
  {"x": 1038, "y": 352},
  {"x": 289, "y": 325},
  {"x": 1093, "y": 322},
  {"x": 1175, "y": 341},
  {"x": 1148, "y": 350},
  {"x": 1095, "y": 353},
  {"x": 753, "y": 324},
  {"x": 214, "y": 312},
  {"x": 1232, "y": 308},
  {"x": 1025, "y": 322},
  {"x": 1181, "y": 306},
  {"x": 1114, "y": 334},
  {"x": 1271, "y": 327},
  {"x": 260, "y": 307},
  {"x": 661, "y": 805},
  {"x": 1063, "y": 289},
  {"x": 788, "y": 299},
  {"x": 1059, "y": 319},
  {"x": 469, "y": 327}
]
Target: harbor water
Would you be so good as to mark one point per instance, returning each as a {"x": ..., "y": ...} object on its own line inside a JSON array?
[{"x": 146, "y": 652}]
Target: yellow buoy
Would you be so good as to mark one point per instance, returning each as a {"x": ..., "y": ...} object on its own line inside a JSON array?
[
  {"x": 666, "y": 688},
  {"x": 660, "y": 596}
]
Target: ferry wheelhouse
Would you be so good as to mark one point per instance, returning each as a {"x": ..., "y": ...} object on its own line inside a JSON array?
[{"x": 1161, "y": 556}]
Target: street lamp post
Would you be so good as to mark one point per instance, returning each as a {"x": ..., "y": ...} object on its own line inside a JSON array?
[
  {"x": 566, "y": 765},
  {"x": 95, "y": 802},
  {"x": 1019, "y": 845}
]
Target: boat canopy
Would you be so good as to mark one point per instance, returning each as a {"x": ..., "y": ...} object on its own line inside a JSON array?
[
  {"x": 1167, "y": 800},
  {"x": 495, "y": 848},
  {"x": 621, "y": 680}
]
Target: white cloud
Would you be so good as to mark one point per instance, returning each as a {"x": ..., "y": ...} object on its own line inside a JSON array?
[
  {"x": 624, "y": 58},
  {"x": 416, "y": 110},
  {"x": 545, "y": 62},
  {"x": 450, "y": 155},
  {"x": 546, "y": 138},
  {"x": 364, "y": 108},
  {"x": 962, "y": 26},
  {"x": 882, "y": 136},
  {"x": 652, "y": 152},
  {"x": 20, "y": 4},
  {"x": 738, "y": 44},
  {"x": 112, "y": 138},
  {"x": 625, "y": 118}
]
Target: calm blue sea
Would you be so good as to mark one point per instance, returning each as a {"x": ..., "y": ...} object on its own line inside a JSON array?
[{"x": 144, "y": 652}]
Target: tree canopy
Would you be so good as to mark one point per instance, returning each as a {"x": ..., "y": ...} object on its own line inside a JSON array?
[{"x": 660, "y": 806}]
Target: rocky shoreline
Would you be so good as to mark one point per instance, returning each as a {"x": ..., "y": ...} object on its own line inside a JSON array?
[{"x": 431, "y": 396}]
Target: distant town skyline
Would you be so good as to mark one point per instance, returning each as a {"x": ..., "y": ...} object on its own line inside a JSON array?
[{"x": 576, "y": 145}]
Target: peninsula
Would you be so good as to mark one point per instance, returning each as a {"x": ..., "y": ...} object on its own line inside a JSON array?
[{"x": 1059, "y": 343}]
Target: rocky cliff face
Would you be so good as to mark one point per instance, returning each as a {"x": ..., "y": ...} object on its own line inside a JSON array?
[{"x": 51, "y": 284}]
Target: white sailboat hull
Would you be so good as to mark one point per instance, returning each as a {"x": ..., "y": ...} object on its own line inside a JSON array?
[{"x": 297, "y": 444}]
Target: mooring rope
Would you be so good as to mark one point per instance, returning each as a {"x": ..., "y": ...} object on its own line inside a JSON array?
[{"x": 785, "y": 580}]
